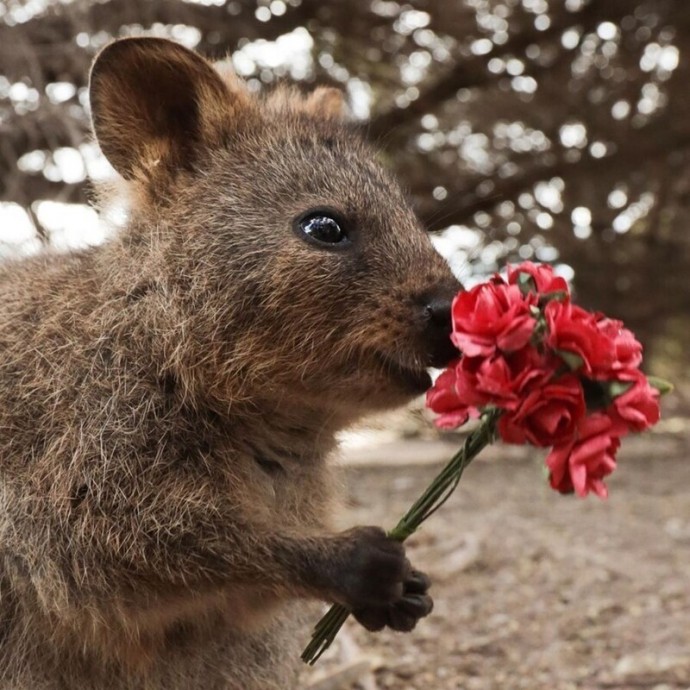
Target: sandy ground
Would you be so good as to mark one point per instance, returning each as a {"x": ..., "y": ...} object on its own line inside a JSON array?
[{"x": 532, "y": 589}]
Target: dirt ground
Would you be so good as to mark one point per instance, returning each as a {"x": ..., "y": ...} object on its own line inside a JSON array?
[{"x": 532, "y": 589}]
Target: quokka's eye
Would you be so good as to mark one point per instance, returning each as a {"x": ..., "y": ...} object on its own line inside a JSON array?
[{"x": 321, "y": 226}]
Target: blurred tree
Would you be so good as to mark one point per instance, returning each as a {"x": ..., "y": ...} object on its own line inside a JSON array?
[{"x": 550, "y": 129}]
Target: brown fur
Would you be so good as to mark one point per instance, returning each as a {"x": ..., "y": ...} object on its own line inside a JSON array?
[{"x": 168, "y": 400}]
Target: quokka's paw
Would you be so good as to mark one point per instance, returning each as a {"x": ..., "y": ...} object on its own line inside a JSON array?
[
  {"x": 403, "y": 613},
  {"x": 378, "y": 584}
]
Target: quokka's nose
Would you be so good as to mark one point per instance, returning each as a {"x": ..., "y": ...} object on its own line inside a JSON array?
[
  {"x": 437, "y": 311},
  {"x": 439, "y": 327}
]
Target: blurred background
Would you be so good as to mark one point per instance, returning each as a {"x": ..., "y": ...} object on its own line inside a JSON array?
[
  {"x": 550, "y": 130},
  {"x": 553, "y": 130}
]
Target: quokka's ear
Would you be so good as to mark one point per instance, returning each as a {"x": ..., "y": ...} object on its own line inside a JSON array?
[
  {"x": 327, "y": 102},
  {"x": 155, "y": 103}
]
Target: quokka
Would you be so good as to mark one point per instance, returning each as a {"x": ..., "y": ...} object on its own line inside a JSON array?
[{"x": 168, "y": 400}]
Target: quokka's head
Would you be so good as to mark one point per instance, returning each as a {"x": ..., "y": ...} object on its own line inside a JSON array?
[{"x": 306, "y": 275}]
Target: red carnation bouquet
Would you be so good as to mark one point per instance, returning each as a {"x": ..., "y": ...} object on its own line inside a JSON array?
[
  {"x": 561, "y": 377},
  {"x": 535, "y": 368}
]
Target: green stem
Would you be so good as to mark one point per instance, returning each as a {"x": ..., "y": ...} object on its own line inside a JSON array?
[{"x": 436, "y": 494}]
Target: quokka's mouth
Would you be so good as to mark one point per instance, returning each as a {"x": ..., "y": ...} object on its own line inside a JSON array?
[
  {"x": 413, "y": 380},
  {"x": 443, "y": 352}
]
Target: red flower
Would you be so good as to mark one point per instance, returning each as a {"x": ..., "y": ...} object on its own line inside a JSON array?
[
  {"x": 504, "y": 380},
  {"x": 546, "y": 415},
  {"x": 444, "y": 399},
  {"x": 473, "y": 382},
  {"x": 626, "y": 349},
  {"x": 637, "y": 408},
  {"x": 575, "y": 331},
  {"x": 489, "y": 317},
  {"x": 581, "y": 463},
  {"x": 542, "y": 275},
  {"x": 605, "y": 347}
]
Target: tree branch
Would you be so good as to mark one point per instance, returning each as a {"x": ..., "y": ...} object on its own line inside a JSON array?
[
  {"x": 472, "y": 72},
  {"x": 461, "y": 208},
  {"x": 52, "y": 35},
  {"x": 47, "y": 128}
]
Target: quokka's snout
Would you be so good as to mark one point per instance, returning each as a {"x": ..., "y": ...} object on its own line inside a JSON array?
[{"x": 437, "y": 312}]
